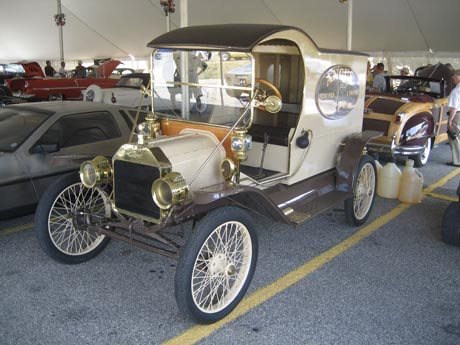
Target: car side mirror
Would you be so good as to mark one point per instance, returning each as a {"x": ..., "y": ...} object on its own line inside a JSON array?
[{"x": 45, "y": 148}]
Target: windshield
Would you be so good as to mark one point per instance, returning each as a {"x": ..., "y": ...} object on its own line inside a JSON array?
[
  {"x": 12, "y": 68},
  {"x": 16, "y": 126},
  {"x": 134, "y": 81},
  {"x": 216, "y": 88},
  {"x": 415, "y": 85}
]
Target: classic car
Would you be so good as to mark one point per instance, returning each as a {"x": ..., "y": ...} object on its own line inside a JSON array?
[
  {"x": 9, "y": 71},
  {"x": 127, "y": 91},
  {"x": 119, "y": 72},
  {"x": 291, "y": 150},
  {"x": 7, "y": 98},
  {"x": 41, "y": 141},
  {"x": 411, "y": 114},
  {"x": 39, "y": 88}
]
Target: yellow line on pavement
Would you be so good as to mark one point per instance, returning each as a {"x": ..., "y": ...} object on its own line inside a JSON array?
[
  {"x": 442, "y": 196},
  {"x": 198, "y": 332},
  {"x": 15, "y": 229}
]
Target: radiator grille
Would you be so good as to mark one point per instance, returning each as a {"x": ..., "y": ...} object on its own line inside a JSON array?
[
  {"x": 133, "y": 184},
  {"x": 376, "y": 125}
]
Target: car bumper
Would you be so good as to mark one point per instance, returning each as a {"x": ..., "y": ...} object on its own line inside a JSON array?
[{"x": 391, "y": 149}]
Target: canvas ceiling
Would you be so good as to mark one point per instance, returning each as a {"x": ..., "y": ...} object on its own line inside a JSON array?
[{"x": 119, "y": 28}]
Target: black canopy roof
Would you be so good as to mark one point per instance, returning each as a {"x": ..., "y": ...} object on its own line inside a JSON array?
[{"x": 237, "y": 37}]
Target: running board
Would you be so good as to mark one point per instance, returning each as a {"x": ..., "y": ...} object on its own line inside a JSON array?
[{"x": 299, "y": 213}]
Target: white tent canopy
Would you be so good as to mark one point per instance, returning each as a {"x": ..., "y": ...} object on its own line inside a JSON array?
[{"x": 121, "y": 29}]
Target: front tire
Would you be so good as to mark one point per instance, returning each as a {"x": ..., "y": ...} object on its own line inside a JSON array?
[
  {"x": 217, "y": 265},
  {"x": 450, "y": 228},
  {"x": 359, "y": 207},
  {"x": 60, "y": 220},
  {"x": 421, "y": 159}
]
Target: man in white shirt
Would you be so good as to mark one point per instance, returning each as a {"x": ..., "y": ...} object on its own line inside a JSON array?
[
  {"x": 380, "y": 83},
  {"x": 453, "y": 123}
]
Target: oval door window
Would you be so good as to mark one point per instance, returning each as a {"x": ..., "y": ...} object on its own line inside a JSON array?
[{"x": 337, "y": 92}]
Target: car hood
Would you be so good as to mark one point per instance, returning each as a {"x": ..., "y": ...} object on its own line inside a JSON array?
[
  {"x": 107, "y": 68},
  {"x": 32, "y": 69}
]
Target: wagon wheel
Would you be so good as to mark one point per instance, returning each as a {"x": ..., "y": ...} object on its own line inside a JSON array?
[
  {"x": 60, "y": 220},
  {"x": 217, "y": 265},
  {"x": 358, "y": 207}
]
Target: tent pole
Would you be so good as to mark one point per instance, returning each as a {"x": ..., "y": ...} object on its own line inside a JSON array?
[
  {"x": 184, "y": 63},
  {"x": 350, "y": 24},
  {"x": 60, "y": 24}
]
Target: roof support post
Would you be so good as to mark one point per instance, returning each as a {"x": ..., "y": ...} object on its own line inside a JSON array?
[
  {"x": 60, "y": 21},
  {"x": 350, "y": 24}
]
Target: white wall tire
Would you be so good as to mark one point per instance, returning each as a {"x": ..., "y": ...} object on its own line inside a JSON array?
[
  {"x": 93, "y": 94},
  {"x": 421, "y": 159}
]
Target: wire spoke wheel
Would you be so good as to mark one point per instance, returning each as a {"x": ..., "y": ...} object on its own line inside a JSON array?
[
  {"x": 63, "y": 217},
  {"x": 364, "y": 191},
  {"x": 221, "y": 267},
  {"x": 66, "y": 219},
  {"x": 358, "y": 208},
  {"x": 217, "y": 265}
]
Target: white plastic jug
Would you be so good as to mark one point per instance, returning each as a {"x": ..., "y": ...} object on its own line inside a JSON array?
[
  {"x": 389, "y": 180},
  {"x": 410, "y": 190}
]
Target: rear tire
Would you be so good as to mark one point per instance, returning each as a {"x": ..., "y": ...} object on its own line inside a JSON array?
[
  {"x": 359, "y": 207},
  {"x": 217, "y": 265},
  {"x": 59, "y": 220},
  {"x": 450, "y": 228}
]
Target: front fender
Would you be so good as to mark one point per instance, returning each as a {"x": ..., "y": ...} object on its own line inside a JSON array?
[
  {"x": 417, "y": 130},
  {"x": 225, "y": 194},
  {"x": 353, "y": 147}
]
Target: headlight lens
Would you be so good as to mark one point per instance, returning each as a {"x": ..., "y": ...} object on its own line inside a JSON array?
[
  {"x": 96, "y": 171},
  {"x": 169, "y": 190},
  {"x": 228, "y": 168},
  {"x": 88, "y": 174}
]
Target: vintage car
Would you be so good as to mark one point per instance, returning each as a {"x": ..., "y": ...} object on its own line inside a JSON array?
[
  {"x": 291, "y": 150},
  {"x": 411, "y": 114},
  {"x": 117, "y": 73},
  {"x": 40, "y": 88},
  {"x": 41, "y": 141},
  {"x": 127, "y": 92}
]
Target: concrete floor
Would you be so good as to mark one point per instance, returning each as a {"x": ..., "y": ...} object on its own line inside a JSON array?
[{"x": 396, "y": 283}]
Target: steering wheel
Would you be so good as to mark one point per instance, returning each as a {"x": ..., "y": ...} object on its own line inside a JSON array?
[{"x": 268, "y": 90}]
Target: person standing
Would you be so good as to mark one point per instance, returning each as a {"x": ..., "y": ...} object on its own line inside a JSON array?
[
  {"x": 49, "y": 70},
  {"x": 369, "y": 77},
  {"x": 453, "y": 123},
  {"x": 379, "y": 84}
]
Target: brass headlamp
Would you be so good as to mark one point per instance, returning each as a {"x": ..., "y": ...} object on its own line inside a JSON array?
[
  {"x": 228, "y": 168},
  {"x": 169, "y": 190},
  {"x": 95, "y": 172},
  {"x": 241, "y": 143},
  {"x": 148, "y": 130}
]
